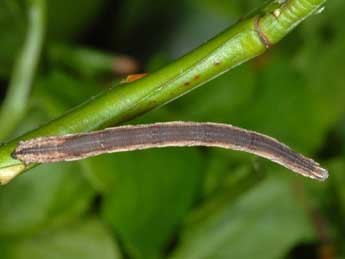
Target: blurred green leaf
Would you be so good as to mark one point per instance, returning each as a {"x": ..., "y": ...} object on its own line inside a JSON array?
[
  {"x": 336, "y": 184},
  {"x": 88, "y": 239},
  {"x": 340, "y": 131},
  {"x": 265, "y": 222},
  {"x": 12, "y": 30},
  {"x": 58, "y": 91},
  {"x": 219, "y": 8},
  {"x": 152, "y": 192},
  {"x": 51, "y": 194},
  {"x": 91, "y": 63},
  {"x": 225, "y": 171},
  {"x": 334, "y": 205},
  {"x": 225, "y": 99},
  {"x": 66, "y": 20},
  {"x": 283, "y": 107},
  {"x": 135, "y": 13}
]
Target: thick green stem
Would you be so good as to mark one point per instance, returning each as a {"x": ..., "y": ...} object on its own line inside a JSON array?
[
  {"x": 241, "y": 42},
  {"x": 15, "y": 103}
]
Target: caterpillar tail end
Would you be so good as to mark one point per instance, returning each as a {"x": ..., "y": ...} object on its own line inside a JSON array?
[{"x": 320, "y": 174}]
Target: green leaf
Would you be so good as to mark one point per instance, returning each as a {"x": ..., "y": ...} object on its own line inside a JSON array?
[
  {"x": 88, "y": 240},
  {"x": 54, "y": 99},
  {"x": 12, "y": 30},
  {"x": 68, "y": 20},
  {"x": 49, "y": 195},
  {"x": 265, "y": 222},
  {"x": 226, "y": 171},
  {"x": 151, "y": 194},
  {"x": 336, "y": 184},
  {"x": 223, "y": 99},
  {"x": 283, "y": 107}
]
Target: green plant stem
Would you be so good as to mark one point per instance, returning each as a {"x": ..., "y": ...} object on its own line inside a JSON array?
[
  {"x": 241, "y": 42},
  {"x": 15, "y": 103}
]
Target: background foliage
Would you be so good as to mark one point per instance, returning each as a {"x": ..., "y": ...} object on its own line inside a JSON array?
[{"x": 181, "y": 203}]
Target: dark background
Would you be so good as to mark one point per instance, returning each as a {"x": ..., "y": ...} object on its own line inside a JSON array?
[{"x": 181, "y": 202}]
